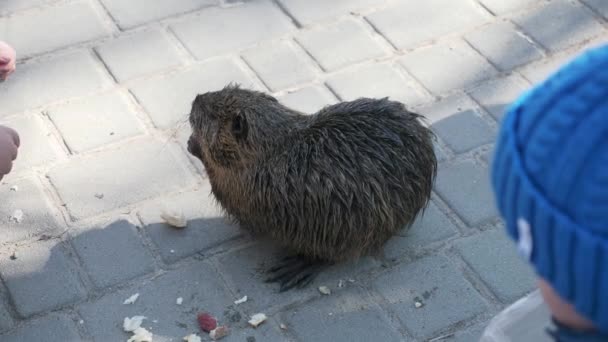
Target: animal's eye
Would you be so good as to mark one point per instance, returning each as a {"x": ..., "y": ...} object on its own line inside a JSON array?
[{"x": 239, "y": 126}]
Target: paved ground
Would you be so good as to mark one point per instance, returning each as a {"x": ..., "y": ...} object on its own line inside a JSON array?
[{"x": 100, "y": 99}]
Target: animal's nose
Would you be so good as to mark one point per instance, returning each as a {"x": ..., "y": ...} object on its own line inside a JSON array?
[{"x": 193, "y": 147}]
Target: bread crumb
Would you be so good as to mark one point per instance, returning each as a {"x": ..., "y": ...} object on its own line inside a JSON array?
[
  {"x": 218, "y": 332},
  {"x": 130, "y": 324},
  {"x": 257, "y": 319},
  {"x": 173, "y": 218},
  {"x": 141, "y": 335},
  {"x": 179, "y": 301},
  {"x": 324, "y": 290},
  {"x": 131, "y": 299},
  {"x": 192, "y": 338},
  {"x": 418, "y": 305},
  {"x": 240, "y": 301},
  {"x": 283, "y": 326},
  {"x": 17, "y": 216}
]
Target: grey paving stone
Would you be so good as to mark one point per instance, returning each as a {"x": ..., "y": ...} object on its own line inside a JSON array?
[
  {"x": 197, "y": 283},
  {"x": 218, "y": 31},
  {"x": 168, "y": 107},
  {"x": 466, "y": 188},
  {"x": 468, "y": 335},
  {"x": 496, "y": 96},
  {"x": 439, "y": 154},
  {"x": 245, "y": 269},
  {"x": 132, "y": 13},
  {"x": 42, "y": 277},
  {"x": 269, "y": 331},
  {"x": 138, "y": 54},
  {"x": 340, "y": 44},
  {"x": 431, "y": 227},
  {"x": 308, "y": 100},
  {"x": 487, "y": 156},
  {"x": 6, "y": 321},
  {"x": 53, "y": 79},
  {"x": 442, "y": 109},
  {"x": 279, "y": 65},
  {"x": 123, "y": 177},
  {"x": 207, "y": 226},
  {"x": 493, "y": 256},
  {"x": 376, "y": 81},
  {"x": 447, "y": 66},
  {"x": 11, "y": 6},
  {"x": 38, "y": 214},
  {"x": 500, "y": 7},
  {"x": 94, "y": 121},
  {"x": 503, "y": 46},
  {"x": 50, "y": 328},
  {"x": 309, "y": 11},
  {"x": 598, "y": 5},
  {"x": 455, "y": 114},
  {"x": 408, "y": 24},
  {"x": 559, "y": 24},
  {"x": 37, "y": 146},
  {"x": 36, "y": 32},
  {"x": 446, "y": 297},
  {"x": 539, "y": 71},
  {"x": 346, "y": 315},
  {"x": 102, "y": 248},
  {"x": 472, "y": 131}
]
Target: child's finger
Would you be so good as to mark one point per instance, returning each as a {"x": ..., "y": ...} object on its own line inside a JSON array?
[
  {"x": 6, "y": 164},
  {"x": 13, "y": 134}
]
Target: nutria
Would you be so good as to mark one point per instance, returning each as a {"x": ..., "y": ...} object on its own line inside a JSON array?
[{"x": 328, "y": 187}]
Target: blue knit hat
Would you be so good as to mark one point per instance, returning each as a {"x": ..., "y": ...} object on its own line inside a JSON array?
[{"x": 550, "y": 178}]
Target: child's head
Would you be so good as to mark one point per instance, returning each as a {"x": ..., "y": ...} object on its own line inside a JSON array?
[{"x": 550, "y": 178}]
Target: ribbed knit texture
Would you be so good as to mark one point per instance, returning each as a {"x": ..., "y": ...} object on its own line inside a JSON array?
[{"x": 550, "y": 170}]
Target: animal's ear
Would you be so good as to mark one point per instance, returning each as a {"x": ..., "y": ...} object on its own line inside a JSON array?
[{"x": 239, "y": 126}]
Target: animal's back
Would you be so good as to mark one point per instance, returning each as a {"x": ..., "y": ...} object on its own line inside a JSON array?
[{"x": 345, "y": 182}]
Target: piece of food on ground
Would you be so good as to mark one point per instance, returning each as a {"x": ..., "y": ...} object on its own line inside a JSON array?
[
  {"x": 131, "y": 299},
  {"x": 257, "y": 319},
  {"x": 174, "y": 218},
  {"x": 219, "y": 332},
  {"x": 130, "y": 324},
  {"x": 206, "y": 322}
]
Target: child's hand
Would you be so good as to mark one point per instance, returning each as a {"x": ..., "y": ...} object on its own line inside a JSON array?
[
  {"x": 8, "y": 57},
  {"x": 9, "y": 143}
]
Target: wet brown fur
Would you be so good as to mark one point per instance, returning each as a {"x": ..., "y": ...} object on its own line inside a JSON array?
[{"x": 331, "y": 186}]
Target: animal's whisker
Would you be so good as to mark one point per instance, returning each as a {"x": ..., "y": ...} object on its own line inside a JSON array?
[{"x": 173, "y": 134}]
